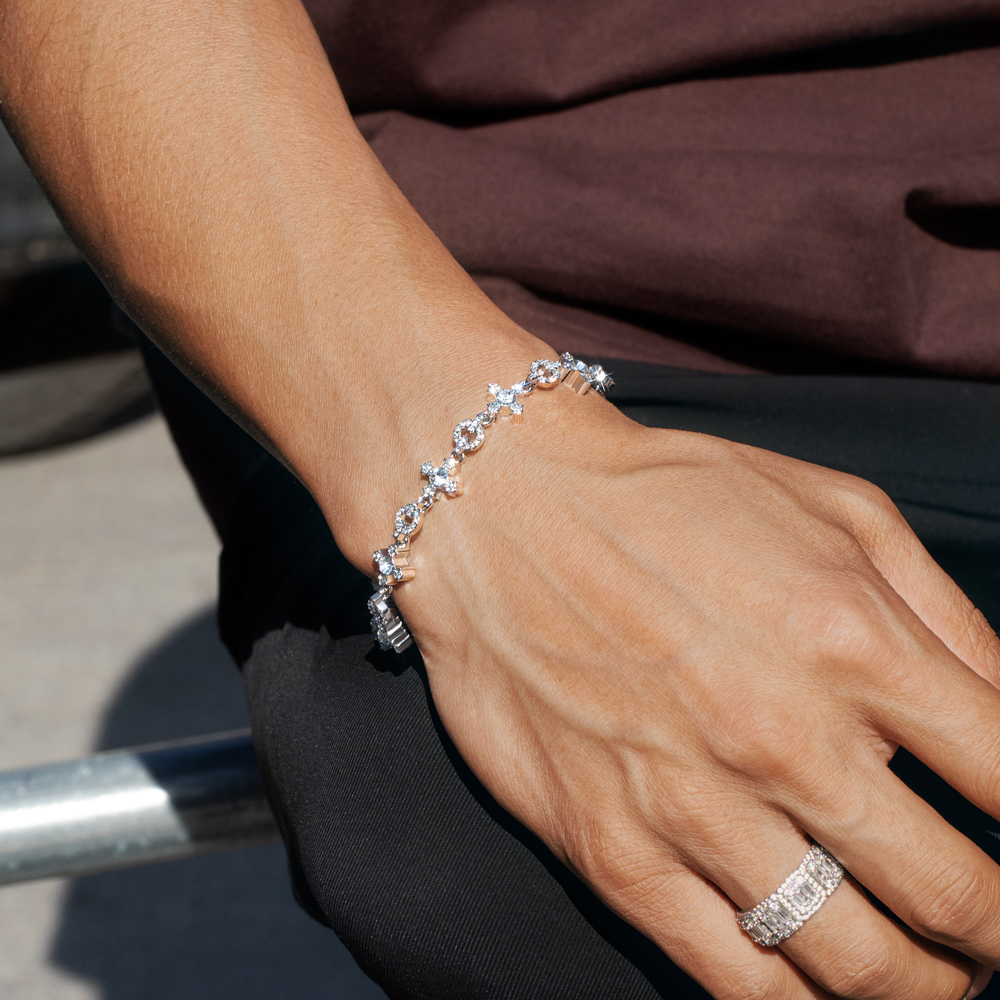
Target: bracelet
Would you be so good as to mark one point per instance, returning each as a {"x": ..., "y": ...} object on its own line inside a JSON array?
[{"x": 392, "y": 562}]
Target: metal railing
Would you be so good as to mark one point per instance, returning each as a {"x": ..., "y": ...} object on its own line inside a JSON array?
[{"x": 132, "y": 807}]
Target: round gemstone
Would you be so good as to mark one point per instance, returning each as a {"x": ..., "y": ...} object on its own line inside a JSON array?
[{"x": 545, "y": 372}]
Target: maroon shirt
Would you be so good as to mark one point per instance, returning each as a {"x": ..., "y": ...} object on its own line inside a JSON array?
[{"x": 778, "y": 185}]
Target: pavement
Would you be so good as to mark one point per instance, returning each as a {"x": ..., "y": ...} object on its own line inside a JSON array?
[{"x": 107, "y": 639}]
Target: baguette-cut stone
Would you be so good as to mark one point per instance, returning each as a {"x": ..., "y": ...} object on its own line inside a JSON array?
[
  {"x": 805, "y": 896},
  {"x": 773, "y": 921},
  {"x": 796, "y": 900},
  {"x": 825, "y": 870},
  {"x": 387, "y": 624}
]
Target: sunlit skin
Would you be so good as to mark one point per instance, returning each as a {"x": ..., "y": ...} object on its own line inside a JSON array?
[{"x": 675, "y": 658}]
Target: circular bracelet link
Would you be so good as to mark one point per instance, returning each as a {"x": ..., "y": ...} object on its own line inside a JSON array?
[
  {"x": 392, "y": 563},
  {"x": 468, "y": 435}
]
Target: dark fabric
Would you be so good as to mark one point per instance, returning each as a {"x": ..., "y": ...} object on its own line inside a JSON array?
[
  {"x": 784, "y": 185},
  {"x": 392, "y": 841},
  {"x": 219, "y": 455}
]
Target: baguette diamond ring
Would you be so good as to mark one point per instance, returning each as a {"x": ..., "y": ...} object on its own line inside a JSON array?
[{"x": 796, "y": 899}]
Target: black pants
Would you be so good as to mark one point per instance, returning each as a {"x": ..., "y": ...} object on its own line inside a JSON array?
[{"x": 392, "y": 841}]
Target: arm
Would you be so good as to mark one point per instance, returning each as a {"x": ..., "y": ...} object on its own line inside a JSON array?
[
  {"x": 675, "y": 751},
  {"x": 208, "y": 167}
]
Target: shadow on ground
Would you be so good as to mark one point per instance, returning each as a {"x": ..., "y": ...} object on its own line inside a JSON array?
[{"x": 210, "y": 928}]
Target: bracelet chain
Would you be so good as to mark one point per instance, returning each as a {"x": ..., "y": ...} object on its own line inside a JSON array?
[{"x": 392, "y": 562}]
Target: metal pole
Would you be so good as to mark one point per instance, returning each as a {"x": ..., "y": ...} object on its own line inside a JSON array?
[{"x": 131, "y": 807}]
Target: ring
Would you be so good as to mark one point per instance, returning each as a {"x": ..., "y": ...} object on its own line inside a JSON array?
[{"x": 796, "y": 899}]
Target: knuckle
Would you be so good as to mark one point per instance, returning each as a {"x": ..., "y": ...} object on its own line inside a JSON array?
[
  {"x": 845, "y": 807},
  {"x": 959, "y": 905},
  {"x": 870, "y": 506},
  {"x": 587, "y": 850},
  {"x": 981, "y": 637},
  {"x": 844, "y": 617},
  {"x": 703, "y": 838},
  {"x": 859, "y": 977},
  {"x": 765, "y": 743},
  {"x": 853, "y": 624},
  {"x": 692, "y": 810},
  {"x": 603, "y": 857},
  {"x": 759, "y": 982},
  {"x": 788, "y": 754}
]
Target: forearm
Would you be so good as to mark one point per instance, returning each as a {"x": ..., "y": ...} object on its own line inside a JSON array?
[{"x": 207, "y": 165}]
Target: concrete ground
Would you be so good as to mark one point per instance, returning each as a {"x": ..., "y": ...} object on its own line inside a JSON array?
[{"x": 107, "y": 639}]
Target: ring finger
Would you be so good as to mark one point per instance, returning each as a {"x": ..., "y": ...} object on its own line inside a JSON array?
[{"x": 847, "y": 947}]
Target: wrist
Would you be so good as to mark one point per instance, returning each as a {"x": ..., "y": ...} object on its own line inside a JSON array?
[
  {"x": 380, "y": 427},
  {"x": 445, "y": 480}
]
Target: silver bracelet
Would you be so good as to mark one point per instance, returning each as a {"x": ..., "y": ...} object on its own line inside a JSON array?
[{"x": 392, "y": 562}]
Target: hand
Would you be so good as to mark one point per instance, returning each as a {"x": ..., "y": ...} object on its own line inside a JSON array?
[
  {"x": 672, "y": 657},
  {"x": 678, "y": 659}
]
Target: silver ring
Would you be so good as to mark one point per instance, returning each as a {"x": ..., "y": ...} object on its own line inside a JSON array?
[{"x": 796, "y": 899}]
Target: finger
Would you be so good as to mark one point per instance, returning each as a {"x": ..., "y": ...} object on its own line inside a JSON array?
[
  {"x": 695, "y": 924},
  {"x": 916, "y": 693},
  {"x": 946, "y": 715},
  {"x": 931, "y": 876},
  {"x": 982, "y": 980},
  {"x": 909, "y": 569},
  {"x": 848, "y": 948}
]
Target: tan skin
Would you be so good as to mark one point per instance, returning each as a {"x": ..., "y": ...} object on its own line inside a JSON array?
[{"x": 673, "y": 657}]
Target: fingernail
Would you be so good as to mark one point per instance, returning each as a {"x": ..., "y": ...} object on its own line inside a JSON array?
[{"x": 983, "y": 976}]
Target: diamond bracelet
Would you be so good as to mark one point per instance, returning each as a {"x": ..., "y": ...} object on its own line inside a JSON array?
[{"x": 392, "y": 562}]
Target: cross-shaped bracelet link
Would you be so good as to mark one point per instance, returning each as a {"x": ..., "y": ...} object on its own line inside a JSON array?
[{"x": 392, "y": 562}]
